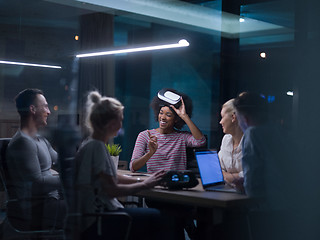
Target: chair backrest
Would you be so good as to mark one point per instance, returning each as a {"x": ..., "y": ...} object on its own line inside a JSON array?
[
  {"x": 13, "y": 206},
  {"x": 4, "y": 173},
  {"x": 4, "y": 142},
  {"x": 66, "y": 172},
  {"x": 3, "y": 147}
]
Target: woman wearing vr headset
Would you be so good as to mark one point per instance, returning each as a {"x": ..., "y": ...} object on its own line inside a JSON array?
[{"x": 165, "y": 146}]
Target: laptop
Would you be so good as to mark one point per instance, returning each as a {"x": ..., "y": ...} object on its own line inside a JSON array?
[{"x": 211, "y": 172}]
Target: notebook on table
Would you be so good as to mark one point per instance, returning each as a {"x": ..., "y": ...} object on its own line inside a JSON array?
[{"x": 211, "y": 172}]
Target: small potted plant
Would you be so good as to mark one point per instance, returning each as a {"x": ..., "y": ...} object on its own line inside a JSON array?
[{"x": 114, "y": 151}]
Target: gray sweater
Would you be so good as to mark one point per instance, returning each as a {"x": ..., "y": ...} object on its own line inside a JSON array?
[{"x": 29, "y": 161}]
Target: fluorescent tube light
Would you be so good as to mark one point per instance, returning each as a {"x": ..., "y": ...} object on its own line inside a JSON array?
[
  {"x": 181, "y": 43},
  {"x": 29, "y": 64},
  {"x": 290, "y": 93}
]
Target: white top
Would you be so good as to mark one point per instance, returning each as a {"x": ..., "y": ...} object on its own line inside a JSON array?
[
  {"x": 231, "y": 160},
  {"x": 92, "y": 159}
]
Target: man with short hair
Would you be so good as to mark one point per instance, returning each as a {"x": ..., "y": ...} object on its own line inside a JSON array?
[
  {"x": 30, "y": 158},
  {"x": 270, "y": 168}
]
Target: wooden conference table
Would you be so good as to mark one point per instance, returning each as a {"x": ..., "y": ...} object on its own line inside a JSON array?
[{"x": 210, "y": 205}]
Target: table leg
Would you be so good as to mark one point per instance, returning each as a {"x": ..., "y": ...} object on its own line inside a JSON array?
[{"x": 209, "y": 223}]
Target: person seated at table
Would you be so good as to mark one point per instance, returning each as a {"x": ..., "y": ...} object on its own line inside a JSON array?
[
  {"x": 30, "y": 159},
  {"x": 165, "y": 146},
  {"x": 230, "y": 153},
  {"x": 96, "y": 180},
  {"x": 270, "y": 168}
]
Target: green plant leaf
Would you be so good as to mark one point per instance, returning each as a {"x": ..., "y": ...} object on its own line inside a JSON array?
[{"x": 114, "y": 149}]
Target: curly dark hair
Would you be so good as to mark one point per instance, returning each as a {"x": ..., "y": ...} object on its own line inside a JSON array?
[{"x": 156, "y": 104}]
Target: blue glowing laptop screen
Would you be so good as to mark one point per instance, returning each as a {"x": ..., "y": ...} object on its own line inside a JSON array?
[{"x": 209, "y": 167}]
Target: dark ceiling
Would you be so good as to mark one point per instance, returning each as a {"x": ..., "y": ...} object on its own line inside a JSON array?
[{"x": 49, "y": 14}]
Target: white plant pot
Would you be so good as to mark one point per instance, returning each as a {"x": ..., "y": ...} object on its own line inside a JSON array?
[{"x": 115, "y": 160}]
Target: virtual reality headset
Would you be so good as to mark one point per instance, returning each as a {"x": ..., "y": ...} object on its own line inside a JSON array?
[
  {"x": 179, "y": 180},
  {"x": 169, "y": 97}
]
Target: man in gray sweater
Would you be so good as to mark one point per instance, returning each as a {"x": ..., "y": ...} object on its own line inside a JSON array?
[{"x": 30, "y": 158}]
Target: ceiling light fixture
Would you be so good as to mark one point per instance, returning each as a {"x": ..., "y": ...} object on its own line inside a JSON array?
[
  {"x": 181, "y": 43},
  {"x": 290, "y": 93},
  {"x": 29, "y": 64},
  {"x": 263, "y": 55}
]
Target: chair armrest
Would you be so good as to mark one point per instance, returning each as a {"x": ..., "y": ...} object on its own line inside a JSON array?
[
  {"x": 26, "y": 199},
  {"x": 102, "y": 214}
]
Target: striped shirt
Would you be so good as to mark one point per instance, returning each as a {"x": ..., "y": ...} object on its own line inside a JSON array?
[{"x": 171, "y": 152}]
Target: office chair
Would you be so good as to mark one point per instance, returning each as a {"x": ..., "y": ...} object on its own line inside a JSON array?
[
  {"x": 119, "y": 223},
  {"x": 9, "y": 227}
]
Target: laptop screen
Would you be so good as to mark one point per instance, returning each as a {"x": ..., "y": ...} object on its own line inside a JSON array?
[{"x": 209, "y": 167}]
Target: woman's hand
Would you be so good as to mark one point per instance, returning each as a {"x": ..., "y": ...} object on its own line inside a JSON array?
[
  {"x": 153, "y": 143},
  {"x": 181, "y": 111},
  {"x": 228, "y": 177},
  {"x": 154, "y": 179}
]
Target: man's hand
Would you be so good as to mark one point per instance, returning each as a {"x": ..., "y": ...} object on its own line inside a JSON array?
[
  {"x": 54, "y": 172},
  {"x": 238, "y": 184}
]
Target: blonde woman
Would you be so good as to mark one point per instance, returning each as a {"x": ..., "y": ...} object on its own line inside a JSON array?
[
  {"x": 97, "y": 182},
  {"x": 230, "y": 153}
]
